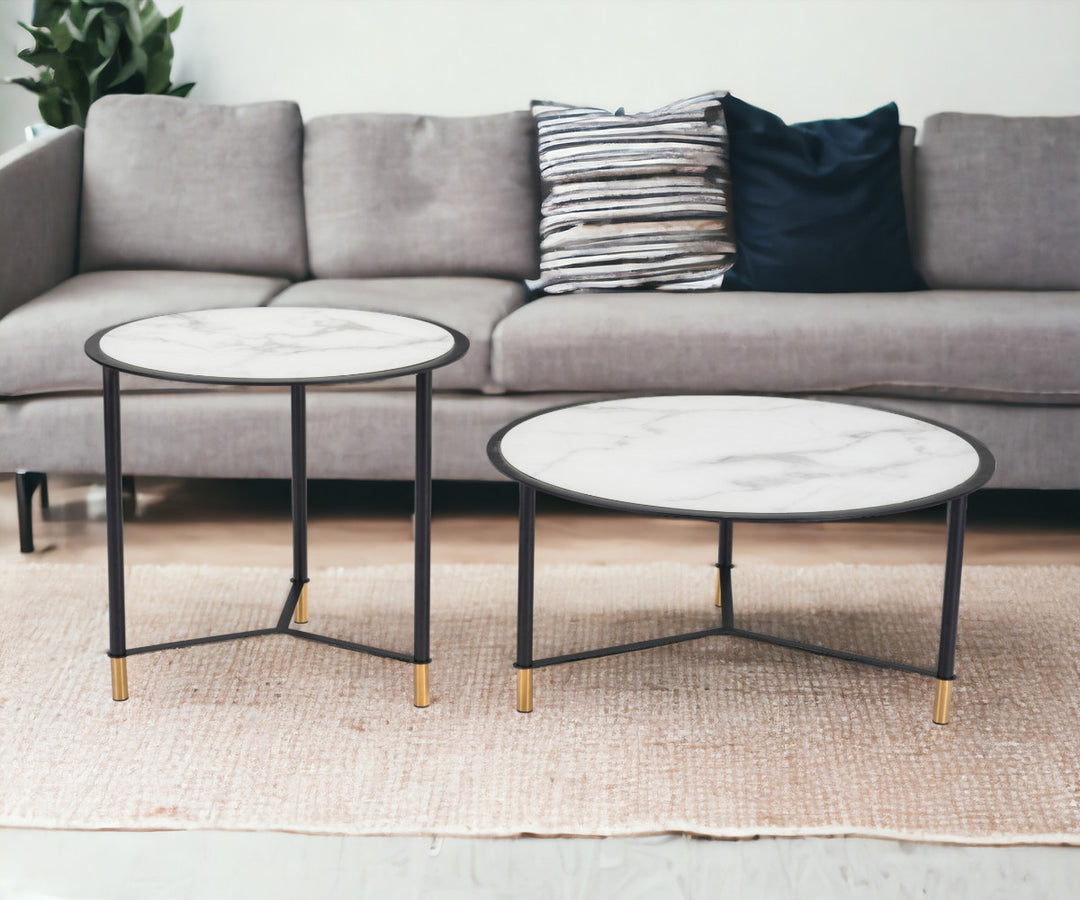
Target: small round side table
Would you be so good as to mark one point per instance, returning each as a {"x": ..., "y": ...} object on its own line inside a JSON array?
[{"x": 290, "y": 347}]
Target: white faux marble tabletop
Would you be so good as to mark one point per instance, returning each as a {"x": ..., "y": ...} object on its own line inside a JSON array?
[
  {"x": 276, "y": 344},
  {"x": 739, "y": 455}
]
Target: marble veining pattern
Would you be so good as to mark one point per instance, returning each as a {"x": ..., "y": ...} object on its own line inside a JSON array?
[
  {"x": 739, "y": 454},
  {"x": 276, "y": 343}
]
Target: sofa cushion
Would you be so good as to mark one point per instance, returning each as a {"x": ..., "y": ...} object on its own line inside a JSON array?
[
  {"x": 987, "y": 345},
  {"x": 41, "y": 342},
  {"x": 998, "y": 201},
  {"x": 819, "y": 206},
  {"x": 174, "y": 184},
  {"x": 471, "y": 305},
  {"x": 907, "y": 179},
  {"x": 421, "y": 195},
  {"x": 633, "y": 201}
]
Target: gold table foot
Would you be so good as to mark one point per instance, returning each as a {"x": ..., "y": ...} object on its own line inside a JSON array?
[
  {"x": 119, "y": 678},
  {"x": 524, "y": 690},
  {"x": 421, "y": 693},
  {"x": 941, "y": 702},
  {"x": 300, "y": 614}
]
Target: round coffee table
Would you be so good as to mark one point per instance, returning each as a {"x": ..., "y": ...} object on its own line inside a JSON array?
[
  {"x": 740, "y": 458},
  {"x": 286, "y": 346}
]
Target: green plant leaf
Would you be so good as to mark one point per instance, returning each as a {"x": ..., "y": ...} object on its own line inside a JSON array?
[
  {"x": 110, "y": 37},
  {"x": 42, "y": 39},
  {"x": 77, "y": 15},
  {"x": 134, "y": 66},
  {"x": 158, "y": 69},
  {"x": 84, "y": 49},
  {"x": 62, "y": 36},
  {"x": 102, "y": 73},
  {"x": 75, "y": 23},
  {"x": 30, "y": 84},
  {"x": 92, "y": 22},
  {"x": 133, "y": 24},
  {"x": 48, "y": 11},
  {"x": 53, "y": 111},
  {"x": 40, "y": 58},
  {"x": 151, "y": 19}
]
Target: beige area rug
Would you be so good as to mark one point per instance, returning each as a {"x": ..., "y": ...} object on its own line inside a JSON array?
[{"x": 721, "y": 737}]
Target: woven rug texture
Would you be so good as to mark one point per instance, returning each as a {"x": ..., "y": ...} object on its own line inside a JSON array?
[{"x": 720, "y": 737}]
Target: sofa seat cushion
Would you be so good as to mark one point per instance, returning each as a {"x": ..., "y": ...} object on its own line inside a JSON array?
[
  {"x": 175, "y": 184},
  {"x": 41, "y": 342},
  {"x": 471, "y": 305},
  {"x": 984, "y": 345}
]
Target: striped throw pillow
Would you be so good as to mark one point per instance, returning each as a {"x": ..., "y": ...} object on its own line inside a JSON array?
[{"x": 634, "y": 201}]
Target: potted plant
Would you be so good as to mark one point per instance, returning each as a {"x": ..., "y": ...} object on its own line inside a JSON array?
[{"x": 85, "y": 49}]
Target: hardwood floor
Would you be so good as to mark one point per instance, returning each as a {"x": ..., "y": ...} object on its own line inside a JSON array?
[{"x": 223, "y": 522}]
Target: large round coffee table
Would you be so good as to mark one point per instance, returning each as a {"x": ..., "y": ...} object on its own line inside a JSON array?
[
  {"x": 284, "y": 346},
  {"x": 740, "y": 458}
]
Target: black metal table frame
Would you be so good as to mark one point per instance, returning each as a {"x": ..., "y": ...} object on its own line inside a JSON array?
[
  {"x": 295, "y": 605},
  {"x": 956, "y": 519}
]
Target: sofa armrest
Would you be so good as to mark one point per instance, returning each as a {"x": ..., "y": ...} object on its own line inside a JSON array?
[{"x": 40, "y": 184}]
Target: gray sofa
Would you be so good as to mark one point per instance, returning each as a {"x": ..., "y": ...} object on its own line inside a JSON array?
[{"x": 164, "y": 205}]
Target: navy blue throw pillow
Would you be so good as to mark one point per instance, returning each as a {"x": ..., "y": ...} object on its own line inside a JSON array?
[{"x": 818, "y": 206}]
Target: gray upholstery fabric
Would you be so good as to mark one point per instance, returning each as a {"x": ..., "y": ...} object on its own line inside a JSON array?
[
  {"x": 907, "y": 177},
  {"x": 999, "y": 201},
  {"x": 174, "y": 184},
  {"x": 421, "y": 195},
  {"x": 39, "y": 215},
  {"x": 245, "y": 433},
  {"x": 1004, "y": 345},
  {"x": 41, "y": 342},
  {"x": 471, "y": 305},
  {"x": 237, "y": 434}
]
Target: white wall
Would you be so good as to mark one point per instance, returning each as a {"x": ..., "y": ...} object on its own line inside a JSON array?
[{"x": 802, "y": 59}]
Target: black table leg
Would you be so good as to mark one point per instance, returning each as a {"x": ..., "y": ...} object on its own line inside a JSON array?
[
  {"x": 114, "y": 512},
  {"x": 422, "y": 543},
  {"x": 950, "y": 608},
  {"x": 299, "y": 500},
  {"x": 526, "y": 543},
  {"x": 723, "y": 571}
]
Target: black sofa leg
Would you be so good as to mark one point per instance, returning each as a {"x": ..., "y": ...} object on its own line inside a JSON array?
[
  {"x": 127, "y": 492},
  {"x": 25, "y": 485}
]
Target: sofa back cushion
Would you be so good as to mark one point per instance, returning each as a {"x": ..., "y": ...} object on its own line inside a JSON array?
[
  {"x": 907, "y": 179},
  {"x": 421, "y": 195},
  {"x": 999, "y": 201},
  {"x": 174, "y": 184}
]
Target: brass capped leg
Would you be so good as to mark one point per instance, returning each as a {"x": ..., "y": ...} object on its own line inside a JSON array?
[
  {"x": 524, "y": 690},
  {"x": 119, "y": 678},
  {"x": 300, "y": 615},
  {"x": 941, "y": 702},
  {"x": 421, "y": 693}
]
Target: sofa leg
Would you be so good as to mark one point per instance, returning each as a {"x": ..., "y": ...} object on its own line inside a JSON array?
[
  {"x": 127, "y": 491},
  {"x": 25, "y": 485},
  {"x": 43, "y": 493}
]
